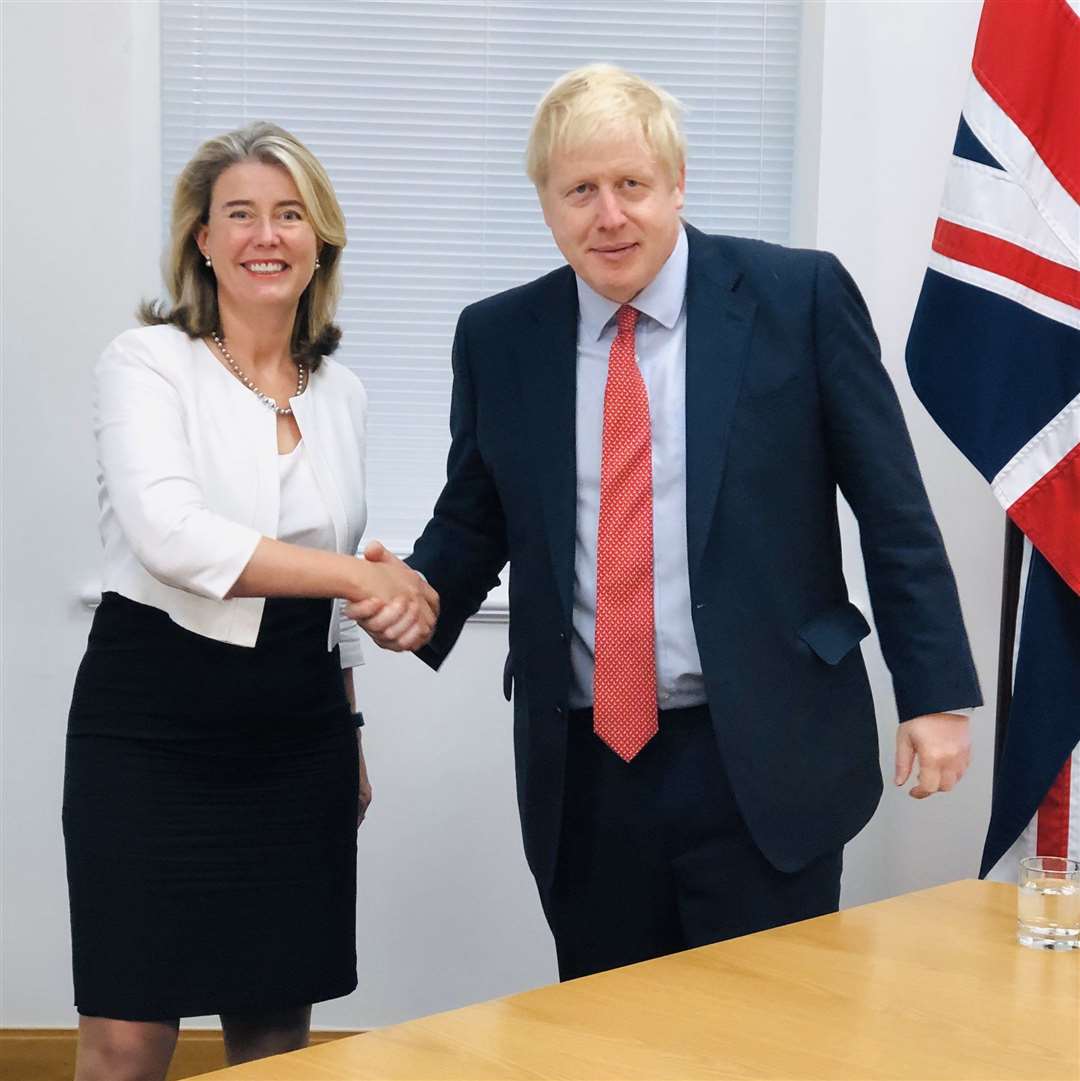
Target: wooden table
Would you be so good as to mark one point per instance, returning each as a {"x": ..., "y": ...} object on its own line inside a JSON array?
[{"x": 927, "y": 986}]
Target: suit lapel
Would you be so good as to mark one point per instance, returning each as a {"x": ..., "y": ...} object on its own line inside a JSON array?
[
  {"x": 548, "y": 370},
  {"x": 718, "y": 324}
]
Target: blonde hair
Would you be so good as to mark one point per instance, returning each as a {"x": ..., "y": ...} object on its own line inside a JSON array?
[
  {"x": 599, "y": 101},
  {"x": 191, "y": 283}
]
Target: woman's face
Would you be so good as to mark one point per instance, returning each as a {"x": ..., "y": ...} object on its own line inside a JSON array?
[{"x": 258, "y": 237}]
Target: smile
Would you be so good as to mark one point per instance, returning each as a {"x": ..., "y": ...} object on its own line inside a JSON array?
[{"x": 264, "y": 268}]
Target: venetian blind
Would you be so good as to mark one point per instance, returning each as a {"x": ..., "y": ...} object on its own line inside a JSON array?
[{"x": 420, "y": 112}]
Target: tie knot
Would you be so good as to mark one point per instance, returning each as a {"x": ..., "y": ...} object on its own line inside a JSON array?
[{"x": 626, "y": 318}]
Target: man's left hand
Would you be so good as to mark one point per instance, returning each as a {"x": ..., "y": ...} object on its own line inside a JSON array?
[{"x": 942, "y": 744}]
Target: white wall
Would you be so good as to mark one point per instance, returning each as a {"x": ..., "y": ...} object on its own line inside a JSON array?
[
  {"x": 80, "y": 233},
  {"x": 893, "y": 78},
  {"x": 447, "y": 912}
]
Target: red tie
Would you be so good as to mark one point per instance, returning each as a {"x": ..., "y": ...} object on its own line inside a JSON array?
[{"x": 624, "y": 687}]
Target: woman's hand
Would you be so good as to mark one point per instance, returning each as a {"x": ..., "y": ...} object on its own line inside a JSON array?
[
  {"x": 386, "y": 578},
  {"x": 364, "y": 797}
]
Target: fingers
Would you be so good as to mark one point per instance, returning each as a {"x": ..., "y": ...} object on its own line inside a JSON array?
[
  {"x": 929, "y": 781},
  {"x": 418, "y": 584},
  {"x": 396, "y": 617},
  {"x": 400, "y": 626},
  {"x": 363, "y": 803},
  {"x": 949, "y": 780},
  {"x": 375, "y": 551},
  {"x": 905, "y": 756},
  {"x": 363, "y": 610},
  {"x": 417, "y": 636},
  {"x": 940, "y": 773},
  {"x": 935, "y": 777},
  {"x": 409, "y": 619},
  {"x": 432, "y": 598},
  {"x": 387, "y": 615},
  {"x": 413, "y": 629},
  {"x": 409, "y": 642},
  {"x": 388, "y": 644}
]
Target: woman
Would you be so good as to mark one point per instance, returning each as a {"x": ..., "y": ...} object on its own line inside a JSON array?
[{"x": 214, "y": 777}]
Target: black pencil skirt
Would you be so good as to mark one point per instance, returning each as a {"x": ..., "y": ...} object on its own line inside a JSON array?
[{"x": 210, "y": 800}]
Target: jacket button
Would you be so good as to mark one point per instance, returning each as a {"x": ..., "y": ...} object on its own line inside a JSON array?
[
  {"x": 559, "y": 711},
  {"x": 562, "y": 636}
]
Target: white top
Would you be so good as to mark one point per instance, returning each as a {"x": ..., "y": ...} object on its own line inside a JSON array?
[
  {"x": 189, "y": 478},
  {"x": 303, "y": 518}
]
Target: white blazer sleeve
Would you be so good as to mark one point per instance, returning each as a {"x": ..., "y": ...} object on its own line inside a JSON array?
[{"x": 148, "y": 471}]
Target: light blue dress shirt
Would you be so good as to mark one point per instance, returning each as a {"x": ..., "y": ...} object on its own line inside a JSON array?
[{"x": 661, "y": 358}]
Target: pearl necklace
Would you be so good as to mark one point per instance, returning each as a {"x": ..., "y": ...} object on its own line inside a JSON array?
[{"x": 270, "y": 403}]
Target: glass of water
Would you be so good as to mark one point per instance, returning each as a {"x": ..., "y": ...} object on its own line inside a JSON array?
[{"x": 1048, "y": 903}]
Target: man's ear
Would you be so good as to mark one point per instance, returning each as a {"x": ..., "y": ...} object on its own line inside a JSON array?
[{"x": 681, "y": 185}]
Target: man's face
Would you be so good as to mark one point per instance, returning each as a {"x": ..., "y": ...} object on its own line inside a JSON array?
[{"x": 614, "y": 213}]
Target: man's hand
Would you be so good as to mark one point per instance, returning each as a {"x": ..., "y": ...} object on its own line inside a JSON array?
[
  {"x": 942, "y": 744},
  {"x": 401, "y": 622}
]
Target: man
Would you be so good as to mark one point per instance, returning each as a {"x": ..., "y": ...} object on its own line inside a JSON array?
[{"x": 653, "y": 437}]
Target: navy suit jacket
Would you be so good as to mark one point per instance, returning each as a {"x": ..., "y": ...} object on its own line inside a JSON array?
[{"x": 786, "y": 402}]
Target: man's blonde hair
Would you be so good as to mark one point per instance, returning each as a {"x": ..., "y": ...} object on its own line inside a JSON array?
[
  {"x": 601, "y": 101},
  {"x": 192, "y": 284}
]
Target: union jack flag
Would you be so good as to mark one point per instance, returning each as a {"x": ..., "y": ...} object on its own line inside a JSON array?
[{"x": 994, "y": 355}]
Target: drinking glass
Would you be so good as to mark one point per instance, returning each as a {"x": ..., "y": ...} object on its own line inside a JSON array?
[{"x": 1048, "y": 903}]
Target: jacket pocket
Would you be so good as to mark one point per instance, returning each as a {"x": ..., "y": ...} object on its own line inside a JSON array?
[{"x": 832, "y": 634}]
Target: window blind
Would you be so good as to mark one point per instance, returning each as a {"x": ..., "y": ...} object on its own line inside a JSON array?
[{"x": 420, "y": 112}]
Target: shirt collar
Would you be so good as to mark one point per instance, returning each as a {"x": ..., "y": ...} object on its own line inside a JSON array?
[{"x": 661, "y": 299}]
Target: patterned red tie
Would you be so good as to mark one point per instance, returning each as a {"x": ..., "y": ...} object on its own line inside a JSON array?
[{"x": 624, "y": 682}]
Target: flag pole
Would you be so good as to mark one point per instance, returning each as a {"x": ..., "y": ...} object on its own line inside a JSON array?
[{"x": 1010, "y": 601}]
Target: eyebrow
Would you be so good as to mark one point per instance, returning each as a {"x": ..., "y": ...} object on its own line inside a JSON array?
[{"x": 251, "y": 202}]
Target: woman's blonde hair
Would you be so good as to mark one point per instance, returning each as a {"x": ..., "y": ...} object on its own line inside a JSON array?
[
  {"x": 191, "y": 283},
  {"x": 601, "y": 101}
]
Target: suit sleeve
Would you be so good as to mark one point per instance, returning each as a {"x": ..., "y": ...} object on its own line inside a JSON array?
[
  {"x": 464, "y": 547},
  {"x": 912, "y": 590}
]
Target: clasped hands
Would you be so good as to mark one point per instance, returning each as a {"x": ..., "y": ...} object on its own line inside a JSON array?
[{"x": 401, "y": 609}]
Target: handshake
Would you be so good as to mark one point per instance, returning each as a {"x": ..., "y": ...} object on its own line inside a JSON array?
[{"x": 400, "y": 609}]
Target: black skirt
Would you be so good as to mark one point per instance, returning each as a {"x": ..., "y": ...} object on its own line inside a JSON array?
[{"x": 210, "y": 798}]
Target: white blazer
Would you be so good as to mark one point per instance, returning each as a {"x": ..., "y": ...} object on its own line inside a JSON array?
[{"x": 188, "y": 478}]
